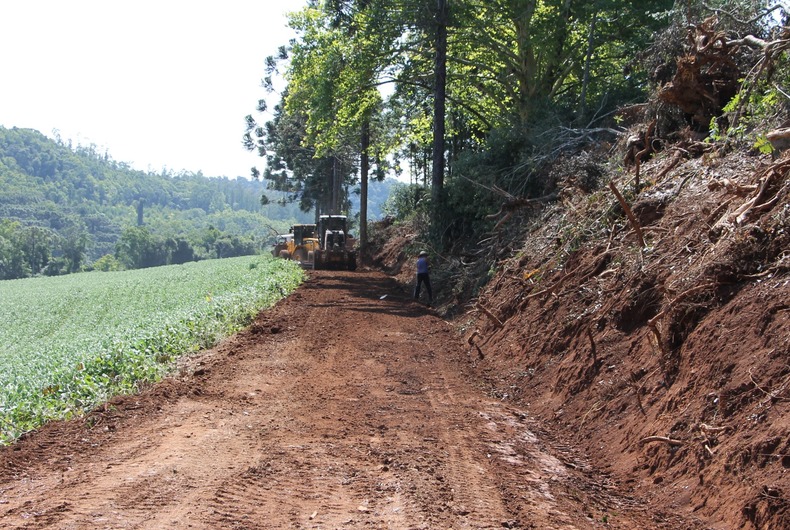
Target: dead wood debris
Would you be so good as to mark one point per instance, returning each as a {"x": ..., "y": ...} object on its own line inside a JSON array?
[
  {"x": 771, "y": 51},
  {"x": 652, "y": 324},
  {"x": 769, "y": 179},
  {"x": 779, "y": 138},
  {"x": 471, "y": 341},
  {"x": 592, "y": 344},
  {"x": 644, "y": 152},
  {"x": 631, "y": 218},
  {"x": 706, "y": 78},
  {"x": 677, "y": 156},
  {"x": 637, "y": 392},
  {"x": 709, "y": 428},
  {"x": 773, "y": 395},
  {"x": 679, "y": 298},
  {"x": 663, "y": 439},
  {"x": 512, "y": 204},
  {"x": 487, "y": 312},
  {"x": 600, "y": 262},
  {"x": 717, "y": 212},
  {"x": 639, "y": 146},
  {"x": 741, "y": 190}
]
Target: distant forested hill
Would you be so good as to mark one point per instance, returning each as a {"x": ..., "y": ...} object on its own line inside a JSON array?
[{"x": 64, "y": 208}]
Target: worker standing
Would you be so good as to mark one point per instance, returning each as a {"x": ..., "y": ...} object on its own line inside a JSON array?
[{"x": 423, "y": 276}]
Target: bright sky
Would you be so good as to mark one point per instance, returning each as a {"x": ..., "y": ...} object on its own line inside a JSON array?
[{"x": 155, "y": 83}]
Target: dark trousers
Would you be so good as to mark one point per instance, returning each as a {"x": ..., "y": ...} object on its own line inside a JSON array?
[{"x": 426, "y": 279}]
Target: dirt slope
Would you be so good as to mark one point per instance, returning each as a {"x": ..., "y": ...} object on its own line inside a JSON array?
[
  {"x": 339, "y": 408},
  {"x": 669, "y": 366}
]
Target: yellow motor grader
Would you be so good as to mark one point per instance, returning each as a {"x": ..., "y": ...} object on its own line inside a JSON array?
[
  {"x": 336, "y": 246},
  {"x": 299, "y": 245},
  {"x": 327, "y": 245}
]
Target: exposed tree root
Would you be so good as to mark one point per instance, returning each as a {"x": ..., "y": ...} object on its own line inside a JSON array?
[
  {"x": 663, "y": 439},
  {"x": 498, "y": 323},
  {"x": 679, "y": 298},
  {"x": 592, "y": 344}
]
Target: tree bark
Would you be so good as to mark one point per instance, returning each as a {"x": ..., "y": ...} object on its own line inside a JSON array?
[
  {"x": 587, "y": 63},
  {"x": 337, "y": 186},
  {"x": 440, "y": 81},
  {"x": 526, "y": 67},
  {"x": 364, "y": 169}
]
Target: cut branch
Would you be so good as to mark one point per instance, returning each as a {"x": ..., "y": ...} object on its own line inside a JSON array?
[
  {"x": 677, "y": 156},
  {"x": 765, "y": 12},
  {"x": 592, "y": 344},
  {"x": 630, "y": 214},
  {"x": 512, "y": 204}
]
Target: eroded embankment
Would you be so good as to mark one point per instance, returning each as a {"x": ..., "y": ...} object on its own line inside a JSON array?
[{"x": 669, "y": 366}]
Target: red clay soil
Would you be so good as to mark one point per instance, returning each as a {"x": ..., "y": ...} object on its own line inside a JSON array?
[
  {"x": 346, "y": 405},
  {"x": 669, "y": 367}
]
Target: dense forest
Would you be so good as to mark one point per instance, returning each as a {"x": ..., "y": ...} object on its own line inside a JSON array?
[
  {"x": 65, "y": 209},
  {"x": 474, "y": 100}
]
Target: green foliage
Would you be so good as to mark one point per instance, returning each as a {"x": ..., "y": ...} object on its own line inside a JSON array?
[
  {"x": 747, "y": 114},
  {"x": 137, "y": 249},
  {"x": 763, "y": 145},
  {"x": 71, "y": 342},
  {"x": 12, "y": 257},
  {"x": 378, "y": 194},
  {"x": 405, "y": 201},
  {"x": 107, "y": 263},
  {"x": 25, "y": 250},
  {"x": 522, "y": 77},
  {"x": 314, "y": 145},
  {"x": 72, "y": 206}
]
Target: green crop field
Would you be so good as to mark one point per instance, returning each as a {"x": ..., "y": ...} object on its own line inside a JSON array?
[{"x": 68, "y": 343}]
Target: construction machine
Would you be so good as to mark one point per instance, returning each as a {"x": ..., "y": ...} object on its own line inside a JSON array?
[
  {"x": 336, "y": 245},
  {"x": 299, "y": 244}
]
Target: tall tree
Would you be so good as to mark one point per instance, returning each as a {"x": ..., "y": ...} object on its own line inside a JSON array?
[
  {"x": 504, "y": 64},
  {"x": 333, "y": 71},
  {"x": 439, "y": 94}
]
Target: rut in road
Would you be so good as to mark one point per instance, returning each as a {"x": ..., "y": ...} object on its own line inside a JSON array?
[{"x": 337, "y": 408}]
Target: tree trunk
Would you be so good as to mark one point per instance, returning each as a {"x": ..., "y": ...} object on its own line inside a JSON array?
[
  {"x": 364, "y": 169},
  {"x": 557, "y": 58},
  {"x": 587, "y": 61},
  {"x": 526, "y": 66},
  {"x": 440, "y": 75},
  {"x": 337, "y": 186}
]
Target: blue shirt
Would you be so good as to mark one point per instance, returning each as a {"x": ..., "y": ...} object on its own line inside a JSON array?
[{"x": 422, "y": 265}]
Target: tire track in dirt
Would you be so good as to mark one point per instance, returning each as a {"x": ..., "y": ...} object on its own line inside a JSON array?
[{"x": 336, "y": 409}]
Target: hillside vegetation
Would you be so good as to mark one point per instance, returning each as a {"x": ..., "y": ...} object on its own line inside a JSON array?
[
  {"x": 64, "y": 208},
  {"x": 604, "y": 192},
  {"x": 666, "y": 362}
]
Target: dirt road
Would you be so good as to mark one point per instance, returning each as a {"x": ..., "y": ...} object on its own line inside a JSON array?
[{"x": 345, "y": 406}]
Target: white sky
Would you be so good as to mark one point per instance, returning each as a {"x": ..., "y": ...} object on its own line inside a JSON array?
[{"x": 155, "y": 83}]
